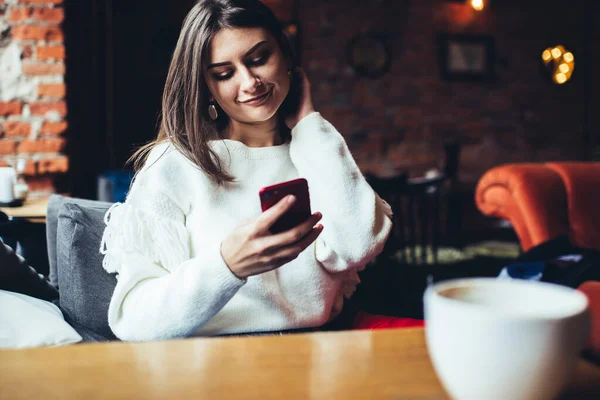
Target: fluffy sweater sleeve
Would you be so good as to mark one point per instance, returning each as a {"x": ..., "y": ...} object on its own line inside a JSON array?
[
  {"x": 356, "y": 221},
  {"x": 162, "y": 292}
]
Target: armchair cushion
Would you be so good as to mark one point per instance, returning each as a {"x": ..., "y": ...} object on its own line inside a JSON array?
[
  {"x": 27, "y": 321},
  {"x": 85, "y": 287}
]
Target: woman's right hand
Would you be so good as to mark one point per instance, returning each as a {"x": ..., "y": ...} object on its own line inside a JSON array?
[{"x": 252, "y": 250}]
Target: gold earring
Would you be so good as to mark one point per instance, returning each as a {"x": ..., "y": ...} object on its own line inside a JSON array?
[
  {"x": 212, "y": 111},
  {"x": 289, "y": 72}
]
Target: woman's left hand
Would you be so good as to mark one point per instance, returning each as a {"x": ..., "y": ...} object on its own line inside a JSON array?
[{"x": 305, "y": 104}]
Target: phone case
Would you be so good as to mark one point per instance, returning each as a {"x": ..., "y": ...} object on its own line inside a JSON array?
[{"x": 300, "y": 211}]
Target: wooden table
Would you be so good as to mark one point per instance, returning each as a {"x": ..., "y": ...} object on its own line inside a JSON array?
[
  {"x": 33, "y": 210},
  {"x": 386, "y": 364}
]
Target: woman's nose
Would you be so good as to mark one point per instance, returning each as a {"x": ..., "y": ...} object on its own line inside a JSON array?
[{"x": 250, "y": 81}]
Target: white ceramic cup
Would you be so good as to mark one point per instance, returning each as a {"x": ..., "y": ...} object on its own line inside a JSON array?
[
  {"x": 504, "y": 339},
  {"x": 8, "y": 178}
]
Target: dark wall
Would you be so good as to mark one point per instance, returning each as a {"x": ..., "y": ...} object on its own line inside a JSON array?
[
  {"x": 118, "y": 53},
  {"x": 145, "y": 34},
  {"x": 399, "y": 122}
]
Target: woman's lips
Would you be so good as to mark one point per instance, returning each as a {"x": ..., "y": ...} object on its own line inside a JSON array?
[{"x": 258, "y": 99}]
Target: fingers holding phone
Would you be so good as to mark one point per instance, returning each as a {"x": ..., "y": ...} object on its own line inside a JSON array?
[
  {"x": 288, "y": 245},
  {"x": 284, "y": 230},
  {"x": 296, "y": 236},
  {"x": 273, "y": 210}
]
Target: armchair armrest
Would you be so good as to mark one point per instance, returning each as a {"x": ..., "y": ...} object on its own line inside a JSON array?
[
  {"x": 582, "y": 185},
  {"x": 531, "y": 196}
]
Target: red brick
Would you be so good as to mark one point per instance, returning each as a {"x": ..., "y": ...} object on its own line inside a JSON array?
[
  {"x": 41, "y": 184},
  {"x": 10, "y": 108},
  {"x": 19, "y": 14},
  {"x": 34, "y": 32},
  {"x": 43, "y": 108},
  {"x": 46, "y": 52},
  {"x": 44, "y": 145},
  {"x": 27, "y": 52},
  {"x": 50, "y": 15},
  {"x": 17, "y": 128},
  {"x": 8, "y": 147},
  {"x": 56, "y": 90},
  {"x": 30, "y": 168},
  {"x": 41, "y": 1},
  {"x": 54, "y": 128},
  {"x": 53, "y": 165},
  {"x": 37, "y": 69}
]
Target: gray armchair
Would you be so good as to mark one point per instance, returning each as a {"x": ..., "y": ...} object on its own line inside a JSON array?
[{"x": 74, "y": 230}]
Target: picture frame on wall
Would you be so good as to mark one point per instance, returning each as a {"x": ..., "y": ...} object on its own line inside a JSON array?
[{"x": 466, "y": 57}]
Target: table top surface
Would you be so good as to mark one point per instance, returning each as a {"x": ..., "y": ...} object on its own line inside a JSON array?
[
  {"x": 33, "y": 208},
  {"x": 384, "y": 364}
]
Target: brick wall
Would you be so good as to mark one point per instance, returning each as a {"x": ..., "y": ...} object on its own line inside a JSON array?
[
  {"x": 32, "y": 90},
  {"x": 401, "y": 121}
]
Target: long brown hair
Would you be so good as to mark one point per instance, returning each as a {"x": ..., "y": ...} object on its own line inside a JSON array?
[{"x": 184, "y": 119}]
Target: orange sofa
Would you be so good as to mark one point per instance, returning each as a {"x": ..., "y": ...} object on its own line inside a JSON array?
[{"x": 546, "y": 200}]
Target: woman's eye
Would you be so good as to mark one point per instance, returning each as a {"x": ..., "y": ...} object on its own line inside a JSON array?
[
  {"x": 259, "y": 60},
  {"x": 223, "y": 76}
]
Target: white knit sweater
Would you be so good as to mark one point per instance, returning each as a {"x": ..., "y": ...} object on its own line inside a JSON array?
[{"x": 164, "y": 241}]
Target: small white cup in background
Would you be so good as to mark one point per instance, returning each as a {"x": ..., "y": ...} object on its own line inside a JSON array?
[
  {"x": 8, "y": 178},
  {"x": 504, "y": 339}
]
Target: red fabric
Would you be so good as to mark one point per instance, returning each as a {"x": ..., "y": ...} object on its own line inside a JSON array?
[
  {"x": 371, "y": 321},
  {"x": 592, "y": 290},
  {"x": 581, "y": 183},
  {"x": 532, "y": 196}
]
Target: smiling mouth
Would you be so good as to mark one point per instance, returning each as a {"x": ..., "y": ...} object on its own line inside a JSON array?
[{"x": 258, "y": 99}]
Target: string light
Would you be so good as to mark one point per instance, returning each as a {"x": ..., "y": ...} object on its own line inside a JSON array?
[
  {"x": 568, "y": 57},
  {"x": 546, "y": 55},
  {"x": 559, "y": 62},
  {"x": 477, "y": 4},
  {"x": 556, "y": 52}
]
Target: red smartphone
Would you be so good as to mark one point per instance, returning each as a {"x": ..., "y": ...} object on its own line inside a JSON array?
[{"x": 300, "y": 211}]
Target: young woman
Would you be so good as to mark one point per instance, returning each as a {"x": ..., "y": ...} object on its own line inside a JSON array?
[{"x": 192, "y": 250}]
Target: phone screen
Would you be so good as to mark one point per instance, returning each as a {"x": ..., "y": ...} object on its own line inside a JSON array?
[{"x": 300, "y": 210}]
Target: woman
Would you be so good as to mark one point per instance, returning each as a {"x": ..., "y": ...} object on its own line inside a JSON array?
[{"x": 192, "y": 250}]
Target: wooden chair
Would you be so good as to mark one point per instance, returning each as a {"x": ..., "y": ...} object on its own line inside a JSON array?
[
  {"x": 389, "y": 286},
  {"x": 416, "y": 234}
]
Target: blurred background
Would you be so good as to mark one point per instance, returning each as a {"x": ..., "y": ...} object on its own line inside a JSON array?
[{"x": 413, "y": 85}]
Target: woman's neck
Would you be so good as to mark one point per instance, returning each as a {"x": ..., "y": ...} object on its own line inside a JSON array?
[{"x": 264, "y": 134}]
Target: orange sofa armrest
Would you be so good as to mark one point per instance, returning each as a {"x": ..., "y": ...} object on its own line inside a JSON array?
[
  {"x": 592, "y": 290},
  {"x": 531, "y": 196},
  {"x": 582, "y": 184}
]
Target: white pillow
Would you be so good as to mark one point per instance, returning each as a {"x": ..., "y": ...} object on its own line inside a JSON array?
[{"x": 26, "y": 321}]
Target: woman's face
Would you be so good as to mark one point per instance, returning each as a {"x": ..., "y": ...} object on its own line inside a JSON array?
[{"x": 247, "y": 74}]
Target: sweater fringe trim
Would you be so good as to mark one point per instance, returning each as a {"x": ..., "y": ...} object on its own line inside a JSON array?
[{"x": 130, "y": 230}]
